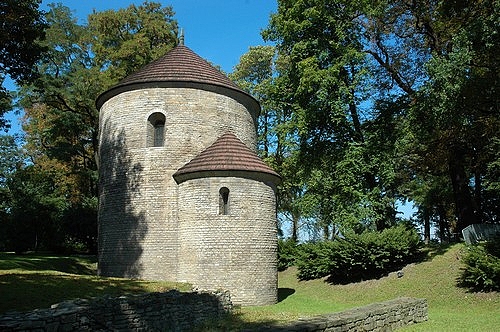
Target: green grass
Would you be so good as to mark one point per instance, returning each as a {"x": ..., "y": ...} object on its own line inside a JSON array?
[
  {"x": 36, "y": 281},
  {"x": 450, "y": 308}
]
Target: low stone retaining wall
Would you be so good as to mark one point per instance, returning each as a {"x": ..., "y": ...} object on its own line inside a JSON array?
[
  {"x": 169, "y": 311},
  {"x": 383, "y": 316},
  {"x": 176, "y": 311}
]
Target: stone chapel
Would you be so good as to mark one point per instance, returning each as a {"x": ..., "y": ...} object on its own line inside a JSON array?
[{"x": 183, "y": 195}]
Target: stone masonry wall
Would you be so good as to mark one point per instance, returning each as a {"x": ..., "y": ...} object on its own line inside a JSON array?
[
  {"x": 175, "y": 311},
  {"x": 237, "y": 251},
  {"x": 382, "y": 316},
  {"x": 138, "y": 222},
  {"x": 170, "y": 311}
]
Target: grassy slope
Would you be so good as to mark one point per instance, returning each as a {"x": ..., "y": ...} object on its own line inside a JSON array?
[
  {"x": 36, "y": 281},
  {"x": 450, "y": 308},
  {"x": 28, "y": 282}
]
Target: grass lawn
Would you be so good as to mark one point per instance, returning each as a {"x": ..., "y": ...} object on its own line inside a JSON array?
[{"x": 36, "y": 281}]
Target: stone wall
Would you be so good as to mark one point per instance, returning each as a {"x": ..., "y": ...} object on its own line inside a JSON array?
[
  {"x": 170, "y": 311},
  {"x": 382, "y": 316},
  {"x": 152, "y": 228},
  {"x": 175, "y": 311},
  {"x": 237, "y": 251},
  {"x": 138, "y": 221}
]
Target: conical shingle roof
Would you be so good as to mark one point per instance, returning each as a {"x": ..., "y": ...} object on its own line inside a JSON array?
[
  {"x": 179, "y": 66},
  {"x": 227, "y": 156}
]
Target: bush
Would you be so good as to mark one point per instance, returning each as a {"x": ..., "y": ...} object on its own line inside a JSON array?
[
  {"x": 314, "y": 259},
  {"x": 482, "y": 267},
  {"x": 358, "y": 257},
  {"x": 287, "y": 251}
]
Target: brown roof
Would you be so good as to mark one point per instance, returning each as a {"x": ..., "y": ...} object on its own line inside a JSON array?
[
  {"x": 179, "y": 65},
  {"x": 226, "y": 157}
]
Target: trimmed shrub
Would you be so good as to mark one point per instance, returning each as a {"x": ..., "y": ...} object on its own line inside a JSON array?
[
  {"x": 482, "y": 267},
  {"x": 314, "y": 259},
  {"x": 287, "y": 252},
  {"x": 358, "y": 257}
]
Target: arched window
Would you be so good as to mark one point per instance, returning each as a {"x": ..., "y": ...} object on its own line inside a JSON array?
[
  {"x": 224, "y": 201},
  {"x": 156, "y": 129}
]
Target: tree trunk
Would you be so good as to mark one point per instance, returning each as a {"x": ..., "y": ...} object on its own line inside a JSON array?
[
  {"x": 461, "y": 192},
  {"x": 427, "y": 227},
  {"x": 443, "y": 225},
  {"x": 295, "y": 226},
  {"x": 478, "y": 184}
]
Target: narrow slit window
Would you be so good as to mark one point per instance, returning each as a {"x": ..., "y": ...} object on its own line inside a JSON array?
[
  {"x": 159, "y": 127},
  {"x": 156, "y": 130},
  {"x": 224, "y": 201}
]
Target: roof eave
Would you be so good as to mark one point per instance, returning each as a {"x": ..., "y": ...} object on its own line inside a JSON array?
[
  {"x": 244, "y": 98},
  {"x": 266, "y": 177}
]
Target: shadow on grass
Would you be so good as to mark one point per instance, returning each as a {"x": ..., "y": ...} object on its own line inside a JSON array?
[
  {"x": 235, "y": 322},
  {"x": 23, "y": 292},
  {"x": 34, "y": 262},
  {"x": 283, "y": 293},
  {"x": 430, "y": 251}
]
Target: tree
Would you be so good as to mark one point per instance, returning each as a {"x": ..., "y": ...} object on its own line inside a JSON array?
[
  {"x": 21, "y": 24},
  {"x": 326, "y": 84},
  {"x": 256, "y": 74},
  {"x": 11, "y": 159},
  {"x": 61, "y": 120},
  {"x": 453, "y": 107},
  {"x": 38, "y": 204},
  {"x": 387, "y": 96}
]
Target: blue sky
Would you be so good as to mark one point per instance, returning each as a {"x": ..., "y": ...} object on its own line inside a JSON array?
[{"x": 220, "y": 31}]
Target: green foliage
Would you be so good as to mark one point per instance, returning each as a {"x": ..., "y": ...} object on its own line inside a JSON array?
[
  {"x": 358, "y": 256},
  {"x": 287, "y": 253},
  {"x": 54, "y": 199},
  {"x": 323, "y": 84},
  {"x": 386, "y": 101},
  {"x": 21, "y": 25},
  {"x": 482, "y": 267},
  {"x": 35, "y": 212}
]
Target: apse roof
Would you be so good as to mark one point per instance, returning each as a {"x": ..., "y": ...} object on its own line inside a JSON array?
[
  {"x": 227, "y": 154},
  {"x": 179, "y": 65}
]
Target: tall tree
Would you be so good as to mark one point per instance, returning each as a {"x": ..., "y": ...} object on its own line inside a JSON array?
[
  {"x": 326, "y": 83},
  {"x": 387, "y": 92},
  {"x": 257, "y": 74},
  {"x": 11, "y": 159},
  {"x": 443, "y": 56},
  {"x": 21, "y": 24},
  {"x": 61, "y": 120}
]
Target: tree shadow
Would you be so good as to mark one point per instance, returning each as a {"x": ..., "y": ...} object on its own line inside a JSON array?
[
  {"x": 29, "y": 291},
  {"x": 37, "y": 262},
  {"x": 121, "y": 227},
  {"x": 235, "y": 321},
  {"x": 432, "y": 250}
]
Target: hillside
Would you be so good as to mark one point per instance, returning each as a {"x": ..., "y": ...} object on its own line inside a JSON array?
[
  {"x": 31, "y": 281},
  {"x": 450, "y": 308}
]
